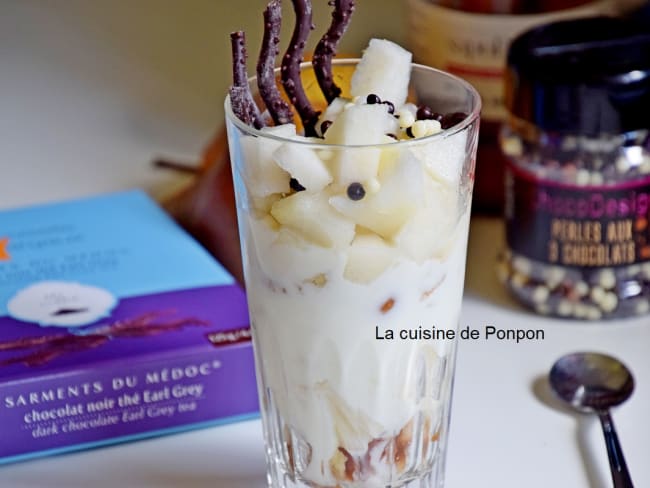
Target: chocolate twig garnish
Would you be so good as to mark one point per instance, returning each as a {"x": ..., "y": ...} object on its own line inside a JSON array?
[
  {"x": 290, "y": 72},
  {"x": 48, "y": 348},
  {"x": 280, "y": 110},
  {"x": 241, "y": 98},
  {"x": 326, "y": 47}
]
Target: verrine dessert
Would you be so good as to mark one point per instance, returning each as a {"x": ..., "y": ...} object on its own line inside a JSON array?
[{"x": 353, "y": 218}]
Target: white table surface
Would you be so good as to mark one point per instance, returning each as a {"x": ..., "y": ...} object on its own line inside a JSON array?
[{"x": 84, "y": 106}]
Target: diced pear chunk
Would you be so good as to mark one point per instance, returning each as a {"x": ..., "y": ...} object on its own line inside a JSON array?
[
  {"x": 385, "y": 70},
  {"x": 304, "y": 165},
  {"x": 332, "y": 112},
  {"x": 356, "y": 165},
  {"x": 359, "y": 125},
  {"x": 262, "y": 205},
  {"x": 400, "y": 195},
  {"x": 311, "y": 216},
  {"x": 262, "y": 176},
  {"x": 368, "y": 257},
  {"x": 283, "y": 254},
  {"x": 443, "y": 157},
  {"x": 427, "y": 234}
]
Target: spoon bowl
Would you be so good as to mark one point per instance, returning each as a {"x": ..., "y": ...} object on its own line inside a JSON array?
[{"x": 593, "y": 382}]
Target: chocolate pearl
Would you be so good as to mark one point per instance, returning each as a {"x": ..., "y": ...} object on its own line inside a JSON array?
[
  {"x": 295, "y": 185},
  {"x": 409, "y": 132},
  {"x": 424, "y": 112},
  {"x": 324, "y": 126},
  {"x": 449, "y": 120},
  {"x": 356, "y": 191},
  {"x": 372, "y": 99}
]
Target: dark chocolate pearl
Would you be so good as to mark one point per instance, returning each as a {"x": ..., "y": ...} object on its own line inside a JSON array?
[
  {"x": 391, "y": 107},
  {"x": 356, "y": 191},
  {"x": 392, "y": 135},
  {"x": 324, "y": 126},
  {"x": 424, "y": 113},
  {"x": 372, "y": 99},
  {"x": 409, "y": 132},
  {"x": 449, "y": 120},
  {"x": 295, "y": 185}
]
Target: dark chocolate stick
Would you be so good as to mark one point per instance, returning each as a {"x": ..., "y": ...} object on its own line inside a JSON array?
[
  {"x": 326, "y": 48},
  {"x": 239, "y": 55},
  {"x": 279, "y": 110},
  {"x": 291, "y": 66},
  {"x": 241, "y": 98}
]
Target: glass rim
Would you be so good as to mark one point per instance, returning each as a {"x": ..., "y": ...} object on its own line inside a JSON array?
[{"x": 472, "y": 116}]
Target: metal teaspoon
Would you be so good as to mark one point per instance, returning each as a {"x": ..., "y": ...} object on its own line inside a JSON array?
[{"x": 592, "y": 382}]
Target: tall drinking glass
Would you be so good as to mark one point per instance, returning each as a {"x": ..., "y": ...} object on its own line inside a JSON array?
[{"x": 354, "y": 258}]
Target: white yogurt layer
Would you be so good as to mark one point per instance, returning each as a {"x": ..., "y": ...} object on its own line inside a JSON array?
[{"x": 332, "y": 380}]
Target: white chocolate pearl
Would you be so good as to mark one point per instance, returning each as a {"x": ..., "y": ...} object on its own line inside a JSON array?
[
  {"x": 596, "y": 178},
  {"x": 419, "y": 128},
  {"x": 593, "y": 313},
  {"x": 581, "y": 288},
  {"x": 564, "y": 308},
  {"x": 607, "y": 279},
  {"x": 642, "y": 307},
  {"x": 432, "y": 126},
  {"x": 609, "y": 302},
  {"x": 583, "y": 177},
  {"x": 597, "y": 294},
  {"x": 622, "y": 164},
  {"x": 645, "y": 267},
  {"x": 580, "y": 310},
  {"x": 554, "y": 276},
  {"x": 543, "y": 309},
  {"x": 406, "y": 118},
  {"x": 522, "y": 265},
  {"x": 540, "y": 294}
]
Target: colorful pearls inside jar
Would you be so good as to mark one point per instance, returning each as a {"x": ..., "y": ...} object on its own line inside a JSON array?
[{"x": 577, "y": 203}]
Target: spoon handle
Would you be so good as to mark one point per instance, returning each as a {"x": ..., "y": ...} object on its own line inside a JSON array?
[{"x": 620, "y": 474}]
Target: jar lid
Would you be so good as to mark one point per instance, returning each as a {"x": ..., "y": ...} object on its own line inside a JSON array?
[{"x": 588, "y": 76}]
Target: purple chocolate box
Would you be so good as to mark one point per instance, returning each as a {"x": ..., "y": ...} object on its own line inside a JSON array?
[{"x": 114, "y": 325}]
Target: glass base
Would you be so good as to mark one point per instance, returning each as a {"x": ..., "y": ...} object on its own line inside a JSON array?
[
  {"x": 431, "y": 479},
  {"x": 411, "y": 457}
]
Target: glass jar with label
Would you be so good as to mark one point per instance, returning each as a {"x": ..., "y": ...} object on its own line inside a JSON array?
[{"x": 577, "y": 142}]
